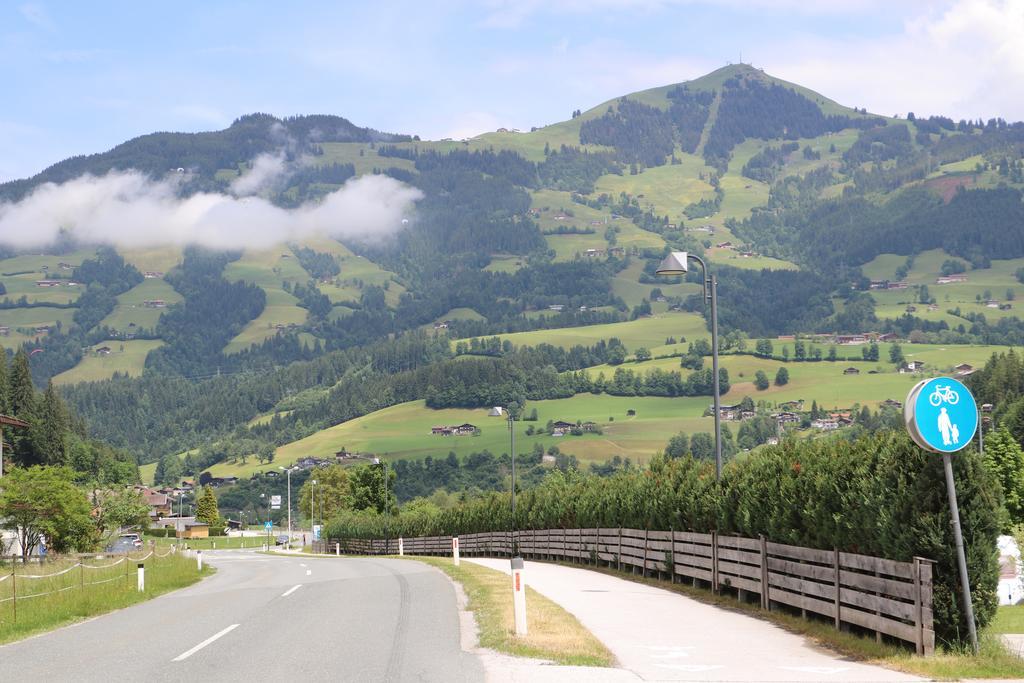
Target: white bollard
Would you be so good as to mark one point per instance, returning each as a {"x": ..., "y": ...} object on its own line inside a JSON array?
[
  {"x": 199, "y": 560},
  {"x": 519, "y": 595},
  {"x": 337, "y": 549},
  {"x": 401, "y": 546},
  {"x": 142, "y": 577},
  {"x": 455, "y": 550}
]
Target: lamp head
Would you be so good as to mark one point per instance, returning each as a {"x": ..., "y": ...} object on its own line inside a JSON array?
[{"x": 674, "y": 264}]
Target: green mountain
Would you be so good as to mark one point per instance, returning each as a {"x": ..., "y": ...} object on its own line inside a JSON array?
[{"x": 817, "y": 218}]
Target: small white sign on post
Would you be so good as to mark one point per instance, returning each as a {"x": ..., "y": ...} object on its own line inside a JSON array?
[
  {"x": 455, "y": 550},
  {"x": 519, "y": 595},
  {"x": 275, "y": 502}
]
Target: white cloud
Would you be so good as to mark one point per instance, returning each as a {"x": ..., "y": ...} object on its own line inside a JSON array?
[
  {"x": 266, "y": 172},
  {"x": 129, "y": 209},
  {"x": 965, "y": 61}
]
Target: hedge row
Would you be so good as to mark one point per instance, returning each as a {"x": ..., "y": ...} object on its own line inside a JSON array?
[{"x": 879, "y": 495}]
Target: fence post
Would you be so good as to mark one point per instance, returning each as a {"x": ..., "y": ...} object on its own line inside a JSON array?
[
  {"x": 618, "y": 555},
  {"x": 565, "y": 552},
  {"x": 14, "y": 592},
  {"x": 672, "y": 555},
  {"x": 127, "y": 570},
  {"x": 765, "y": 600},
  {"x": 643, "y": 570},
  {"x": 199, "y": 560},
  {"x": 81, "y": 576},
  {"x": 835, "y": 568},
  {"x": 714, "y": 561},
  {"x": 919, "y": 622}
]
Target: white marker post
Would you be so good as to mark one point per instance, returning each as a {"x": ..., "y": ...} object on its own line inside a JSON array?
[
  {"x": 199, "y": 560},
  {"x": 337, "y": 549},
  {"x": 455, "y": 550},
  {"x": 401, "y": 546},
  {"x": 142, "y": 577},
  {"x": 519, "y": 595}
]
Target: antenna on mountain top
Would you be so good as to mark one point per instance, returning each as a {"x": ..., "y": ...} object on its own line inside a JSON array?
[{"x": 741, "y": 57}]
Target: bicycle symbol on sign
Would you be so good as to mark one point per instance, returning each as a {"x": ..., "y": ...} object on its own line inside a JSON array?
[{"x": 943, "y": 394}]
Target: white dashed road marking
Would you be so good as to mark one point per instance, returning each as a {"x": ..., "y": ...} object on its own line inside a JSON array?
[
  {"x": 291, "y": 590},
  {"x": 188, "y": 653}
]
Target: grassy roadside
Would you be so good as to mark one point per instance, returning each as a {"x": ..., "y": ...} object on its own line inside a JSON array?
[
  {"x": 103, "y": 586},
  {"x": 554, "y": 634},
  {"x": 994, "y": 661}
]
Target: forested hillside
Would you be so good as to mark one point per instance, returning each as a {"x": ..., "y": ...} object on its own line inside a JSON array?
[{"x": 524, "y": 274}]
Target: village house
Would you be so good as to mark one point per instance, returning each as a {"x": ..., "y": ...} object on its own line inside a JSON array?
[
  {"x": 787, "y": 418},
  {"x": 154, "y": 303},
  {"x": 964, "y": 369},
  {"x": 889, "y": 403},
  {"x": 103, "y": 351},
  {"x": 556, "y": 307},
  {"x": 458, "y": 430},
  {"x": 912, "y": 366},
  {"x": 826, "y": 425},
  {"x": 950, "y": 279},
  {"x": 851, "y": 339},
  {"x": 152, "y": 274},
  {"x": 441, "y": 325},
  {"x": 5, "y": 331},
  {"x": 496, "y": 411},
  {"x": 724, "y": 245},
  {"x": 561, "y": 428},
  {"x": 589, "y": 426},
  {"x": 159, "y": 503},
  {"x": 48, "y": 283}
]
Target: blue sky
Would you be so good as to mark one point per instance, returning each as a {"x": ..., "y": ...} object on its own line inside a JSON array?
[{"x": 82, "y": 77}]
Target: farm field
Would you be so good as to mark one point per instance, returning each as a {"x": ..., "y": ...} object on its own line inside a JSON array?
[
  {"x": 997, "y": 281},
  {"x": 27, "y": 319},
  {"x": 155, "y": 259},
  {"x": 131, "y": 310},
  {"x": 269, "y": 270},
  {"x": 647, "y": 332},
  {"x": 403, "y": 431},
  {"x": 626, "y": 285},
  {"x": 668, "y": 189},
  {"x": 125, "y": 357}
]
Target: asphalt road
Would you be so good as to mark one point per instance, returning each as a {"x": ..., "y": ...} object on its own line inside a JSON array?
[{"x": 263, "y": 618}]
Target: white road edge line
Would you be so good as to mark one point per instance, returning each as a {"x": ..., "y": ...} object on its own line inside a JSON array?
[
  {"x": 200, "y": 646},
  {"x": 291, "y": 590}
]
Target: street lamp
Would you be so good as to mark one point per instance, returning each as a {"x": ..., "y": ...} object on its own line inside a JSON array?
[
  {"x": 676, "y": 264},
  {"x": 289, "y": 472},
  {"x": 512, "y": 451},
  {"x": 312, "y": 498}
]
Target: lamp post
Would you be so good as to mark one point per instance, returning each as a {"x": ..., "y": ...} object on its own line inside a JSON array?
[
  {"x": 676, "y": 264},
  {"x": 288, "y": 471},
  {"x": 312, "y": 498},
  {"x": 512, "y": 451}
]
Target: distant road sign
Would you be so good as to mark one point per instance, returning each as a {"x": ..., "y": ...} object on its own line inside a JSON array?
[
  {"x": 275, "y": 502},
  {"x": 941, "y": 415},
  {"x": 268, "y": 525}
]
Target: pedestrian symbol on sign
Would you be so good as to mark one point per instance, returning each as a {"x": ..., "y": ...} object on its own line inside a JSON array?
[
  {"x": 941, "y": 415},
  {"x": 268, "y": 525}
]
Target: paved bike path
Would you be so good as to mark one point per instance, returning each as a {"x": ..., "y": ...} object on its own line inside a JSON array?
[{"x": 664, "y": 636}]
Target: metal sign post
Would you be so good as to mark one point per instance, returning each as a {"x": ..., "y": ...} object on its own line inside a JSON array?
[{"x": 942, "y": 417}]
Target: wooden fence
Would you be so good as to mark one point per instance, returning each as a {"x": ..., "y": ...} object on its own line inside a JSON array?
[{"x": 871, "y": 593}]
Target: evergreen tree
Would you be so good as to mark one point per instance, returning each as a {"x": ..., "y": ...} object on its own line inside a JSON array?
[
  {"x": 896, "y": 355},
  {"x": 761, "y": 380},
  {"x": 168, "y": 471},
  {"x": 22, "y": 393},
  {"x": 782, "y": 377},
  {"x": 49, "y": 433},
  {"x": 206, "y": 508},
  {"x": 1005, "y": 459},
  {"x": 5, "y": 404}
]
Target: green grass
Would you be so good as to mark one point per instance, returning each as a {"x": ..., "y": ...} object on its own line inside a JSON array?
[
  {"x": 648, "y": 332},
  {"x": 626, "y": 284},
  {"x": 666, "y": 189},
  {"x": 554, "y": 633},
  {"x": 126, "y": 357},
  {"x": 28, "y": 319},
  {"x": 268, "y": 269},
  {"x": 505, "y": 263},
  {"x": 147, "y": 472},
  {"x": 131, "y": 312},
  {"x": 1009, "y": 619},
  {"x": 81, "y": 600},
  {"x": 158, "y": 259}
]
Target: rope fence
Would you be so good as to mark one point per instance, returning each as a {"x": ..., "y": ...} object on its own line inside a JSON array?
[{"x": 16, "y": 587}]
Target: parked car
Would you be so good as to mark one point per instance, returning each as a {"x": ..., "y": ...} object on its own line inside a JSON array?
[
  {"x": 282, "y": 539},
  {"x": 135, "y": 539},
  {"x": 122, "y": 544}
]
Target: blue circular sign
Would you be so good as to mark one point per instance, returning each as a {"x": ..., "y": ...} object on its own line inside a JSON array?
[{"x": 941, "y": 415}]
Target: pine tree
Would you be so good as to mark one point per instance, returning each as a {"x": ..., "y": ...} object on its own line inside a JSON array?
[
  {"x": 1004, "y": 457},
  {"x": 49, "y": 433},
  {"x": 5, "y": 404},
  {"x": 21, "y": 391},
  {"x": 206, "y": 508}
]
